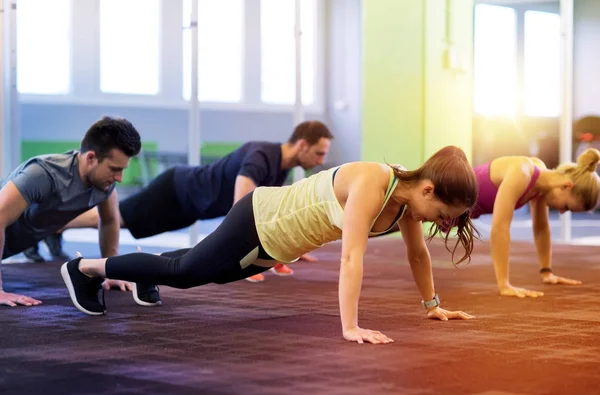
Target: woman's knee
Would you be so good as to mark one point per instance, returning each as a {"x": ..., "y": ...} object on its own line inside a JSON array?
[{"x": 188, "y": 275}]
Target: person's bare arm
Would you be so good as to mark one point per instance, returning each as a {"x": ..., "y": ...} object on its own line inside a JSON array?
[
  {"x": 365, "y": 197},
  {"x": 12, "y": 205},
  {"x": 243, "y": 186},
  {"x": 108, "y": 233},
  {"x": 420, "y": 266},
  {"x": 514, "y": 183},
  {"x": 109, "y": 226},
  {"x": 543, "y": 243}
]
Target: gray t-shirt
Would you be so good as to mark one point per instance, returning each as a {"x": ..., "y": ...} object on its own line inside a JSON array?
[{"x": 55, "y": 193}]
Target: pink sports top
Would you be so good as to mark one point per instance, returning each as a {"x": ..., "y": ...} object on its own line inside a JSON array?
[{"x": 488, "y": 191}]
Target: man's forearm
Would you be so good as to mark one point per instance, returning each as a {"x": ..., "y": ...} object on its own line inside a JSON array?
[{"x": 109, "y": 239}]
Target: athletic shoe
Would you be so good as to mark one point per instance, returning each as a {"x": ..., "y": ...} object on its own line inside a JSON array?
[
  {"x": 83, "y": 289},
  {"x": 282, "y": 270},
  {"x": 257, "y": 278},
  {"x": 146, "y": 294},
  {"x": 33, "y": 254},
  {"x": 54, "y": 243}
]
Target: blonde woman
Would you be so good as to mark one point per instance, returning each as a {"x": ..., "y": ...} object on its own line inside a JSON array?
[{"x": 509, "y": 182}]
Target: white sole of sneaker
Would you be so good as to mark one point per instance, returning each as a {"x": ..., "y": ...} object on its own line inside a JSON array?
[
  {"x": 138, "y": 300},
  {"x": 64, "y": 272},
  {"x": 280, "y": 274},
  {"x": 253, "y": 281}
]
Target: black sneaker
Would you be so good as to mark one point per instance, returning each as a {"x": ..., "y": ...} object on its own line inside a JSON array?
[
  {"x": 33, "y": 254},
  {"x": 146, "y": 294},
  {"x": 83, "y": 289},
  {"x": 54, "y": 243}
]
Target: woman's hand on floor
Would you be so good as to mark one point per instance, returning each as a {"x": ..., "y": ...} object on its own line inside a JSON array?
[
  {"x": 445, "y": 315},
  {"x": 361, "y": 335},
  {"x": 551, "y": 278},
  {"x": 509, "y": 290}
]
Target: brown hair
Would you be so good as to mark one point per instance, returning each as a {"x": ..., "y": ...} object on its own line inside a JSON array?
[
  {"x": 454, "y": 183},
  {"x": 586, "y": 183},
  {"x": 110, "y": 133},
  {"x": 311, "y": 131}
]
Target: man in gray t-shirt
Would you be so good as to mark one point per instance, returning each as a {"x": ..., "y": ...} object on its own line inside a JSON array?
[
  {"x": 46, "y": 192},
  {"x": 54, "y": 193}
]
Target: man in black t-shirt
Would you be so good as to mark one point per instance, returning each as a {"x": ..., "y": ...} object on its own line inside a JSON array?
[{"x": 181, "y": 195}]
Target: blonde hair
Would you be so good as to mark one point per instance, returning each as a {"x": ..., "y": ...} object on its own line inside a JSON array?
[{"x": 586, "y": 183}]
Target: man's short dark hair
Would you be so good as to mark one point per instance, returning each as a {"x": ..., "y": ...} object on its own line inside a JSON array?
[
  {"x": 311, "y": 131},
  {"x": 110, "y": 133}
]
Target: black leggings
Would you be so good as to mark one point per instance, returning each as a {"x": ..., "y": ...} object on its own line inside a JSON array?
[{"x": 216, "y": 259}]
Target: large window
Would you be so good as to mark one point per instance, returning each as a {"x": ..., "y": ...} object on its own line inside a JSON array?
[
  {"x": 220, "y": 50},
  {"x": 44, "y": 46},
  {"x": 129, "y": 46},
  {"x": 512, "y": 77},
  {"x": 542, "y": 64},
  {"x": 278, "y": 67},
  {"x": 495, "y": 60},
  {"x": 138, "y": 53}
]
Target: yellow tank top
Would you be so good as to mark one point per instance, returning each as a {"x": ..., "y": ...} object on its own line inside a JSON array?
[{"x": 295, "y": 219}]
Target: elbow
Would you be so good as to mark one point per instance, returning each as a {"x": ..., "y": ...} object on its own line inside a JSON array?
[
  {"x": 541, "y": 232},
  {"x": 541, "y": 229},
  {"x": 500, "y": 231},
  {"x": 416, "y": 259},
  {"x": 345, "y": 261},
  {"x": 351, "y": 260}
]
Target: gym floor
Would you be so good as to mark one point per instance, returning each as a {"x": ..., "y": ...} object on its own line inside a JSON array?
[{"x": 283, "y": 336}]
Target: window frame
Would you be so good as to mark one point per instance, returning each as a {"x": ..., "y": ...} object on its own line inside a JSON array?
[
  {"x": 70, "y": 61},
  {"x": 85, "y": 80},
  {"x": 559, "y": 66},
  {"x": 520, "y": 10},
  {"x": 159, "y": 56}
]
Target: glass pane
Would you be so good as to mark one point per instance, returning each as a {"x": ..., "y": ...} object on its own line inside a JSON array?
[
  {"x": 542, "y": 64},
  {"x": 220, "y": 50},
  {"x": 129, "y": 46},
  {"x": 278, "y": 73},
  {"x": 495, "y": 63},
  {"x": 44, "y": 46}
]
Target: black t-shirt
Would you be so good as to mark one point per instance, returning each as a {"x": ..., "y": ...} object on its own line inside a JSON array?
[{"x": 207, "y": 191}]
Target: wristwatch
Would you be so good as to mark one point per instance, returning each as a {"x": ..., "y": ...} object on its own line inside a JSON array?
[{"x": 431, "y": 303}]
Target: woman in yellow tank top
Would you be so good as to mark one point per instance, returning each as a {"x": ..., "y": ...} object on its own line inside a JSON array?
[{"x": 350, "y": 202}]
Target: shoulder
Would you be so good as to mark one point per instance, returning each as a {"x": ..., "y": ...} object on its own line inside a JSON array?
[
  {"x": 265, "y": 147},
  {"x": 365, "y": 173},
  {"x": 514, "y": 166},
  {"x": 264, "y": 152},
  {"x": 34, "y": 168},
  {"x": 57, "y": 162},
  {"x": 537, "y": 162}
]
